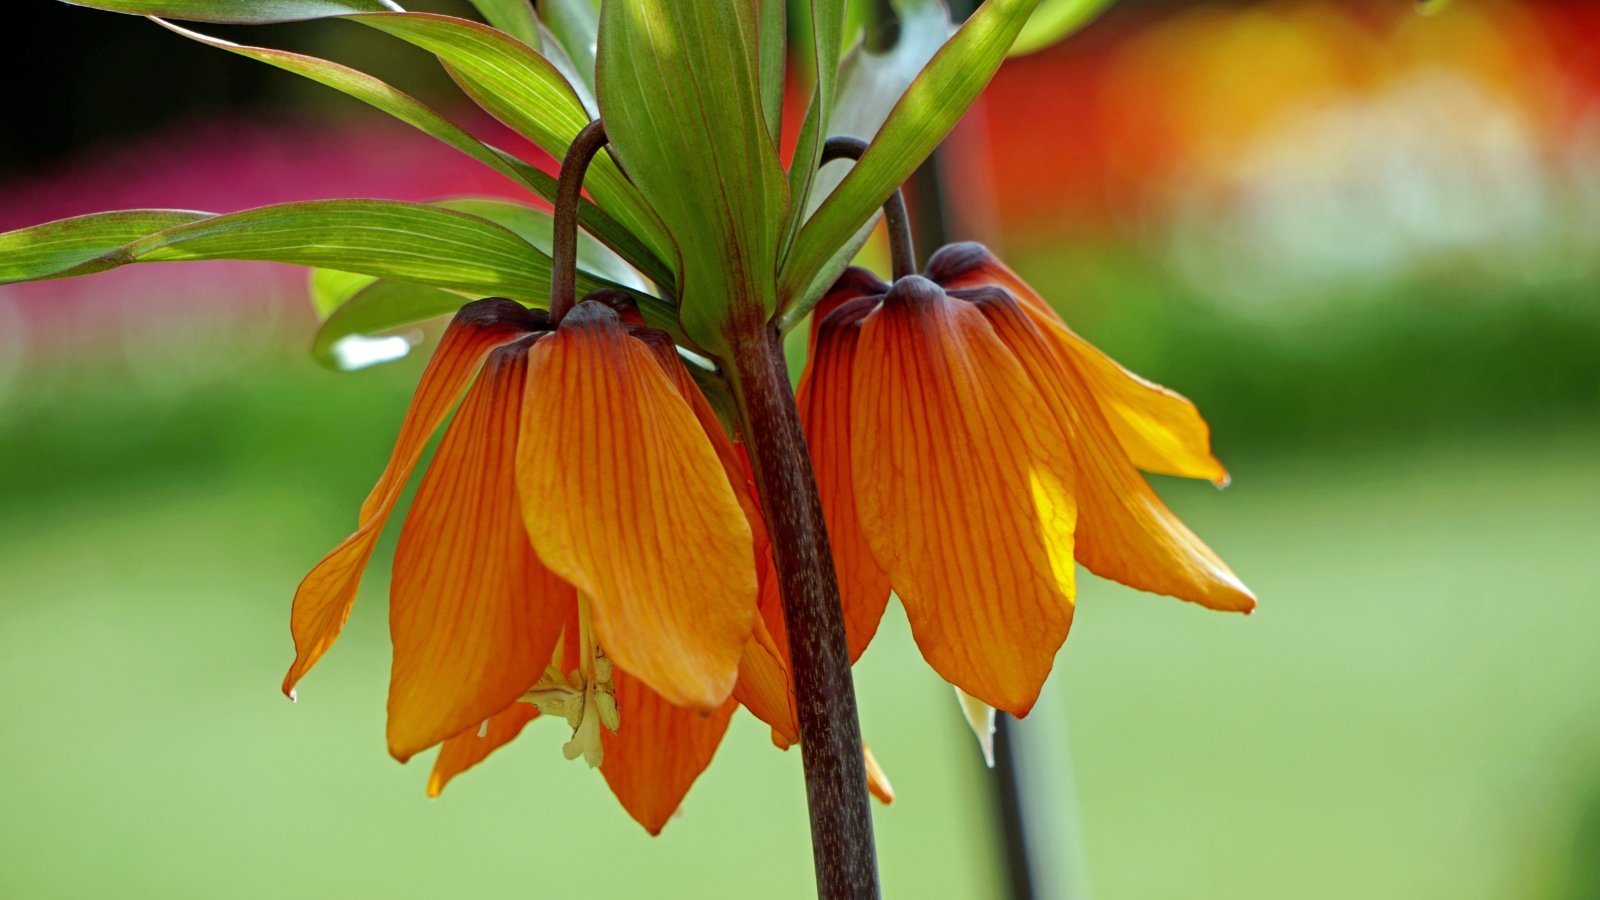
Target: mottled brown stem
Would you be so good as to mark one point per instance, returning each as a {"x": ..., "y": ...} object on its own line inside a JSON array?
[
  {"x": 564, "y": 230},
  {"x": 830, "y": 731}
]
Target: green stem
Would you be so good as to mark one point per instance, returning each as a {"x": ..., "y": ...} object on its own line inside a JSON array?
[{"x": 830, "y": 730}]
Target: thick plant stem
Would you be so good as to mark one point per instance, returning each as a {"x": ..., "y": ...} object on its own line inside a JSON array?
[{"x": 830, "y": 731}]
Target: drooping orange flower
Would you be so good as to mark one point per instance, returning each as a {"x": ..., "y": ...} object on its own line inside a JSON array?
[
  {"x": 583, "y": 544},
  {"x": 969, "y": 447}
]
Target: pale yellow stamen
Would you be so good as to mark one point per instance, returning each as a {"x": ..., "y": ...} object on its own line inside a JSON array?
[{"x": 585, "y": 697}]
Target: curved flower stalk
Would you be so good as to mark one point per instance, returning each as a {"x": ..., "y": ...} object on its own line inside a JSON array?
[{"x": 969, "y": 448}]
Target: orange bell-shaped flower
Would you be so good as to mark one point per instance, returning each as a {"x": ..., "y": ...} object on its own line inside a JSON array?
[
  {"x": 969, "y": 448},
  {"x": 580, "y": 544}
]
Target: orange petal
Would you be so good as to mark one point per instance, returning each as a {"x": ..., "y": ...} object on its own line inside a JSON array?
[
  {"x": 764, "y": 686},
  {"x": 785, "y": 733},
  {"x": 964, "y": 492},
  {"x": 625, "y": 498},
  {"x": 1125, "y": 532},
  {"x": 852, "y": 284},
  {"x": 824, "y": 402},
  {"x": 473, "y": 613},
  {"x": 1160, "y": 430},
  {"x": 323, "y": 600},
  {"x": 658, "y": 751},
  {"x": 472, "y": 746},
  {"x": 877, "y": 781}
]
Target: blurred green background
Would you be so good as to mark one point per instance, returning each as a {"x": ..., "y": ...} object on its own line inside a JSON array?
[{"x": 1363, "y": 241}]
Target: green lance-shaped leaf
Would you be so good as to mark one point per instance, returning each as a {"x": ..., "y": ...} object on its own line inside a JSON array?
[
  {"x": 535, "y": 226},
  {"x": 502, "y": 74},
  {"x": 772, "y": 31},
  {"x": 827, "y": 30},
  {"x": 921, "y": 118},
  {"x": 408, "y": 109},
  {"x": 514, "y": 17},
  {"x": 72, "y": 246},
  {"x": 574, "y": 25},
  {"x": 363, "y": 307},
  {"x": 330, "y": 289},
  {"x": 385, "y": 238},
  {"x": 679, "y": 89},
  {"x": 528, "y": 93},
  {"x": 350, "y": 338},
  {"x": 1054, "y": 21},
  {"x": 869, "y": 86},
  {"x": 242, "y": 12},
  {"x": 374, "y": 92}
]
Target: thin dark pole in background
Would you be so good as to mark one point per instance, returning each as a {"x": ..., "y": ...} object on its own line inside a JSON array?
[{"x": 1008, "y": 809}]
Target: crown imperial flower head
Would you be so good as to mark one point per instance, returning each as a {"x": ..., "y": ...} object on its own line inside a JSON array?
[
  {"x": 969, "y": 448},
  {"x": 544, "y": 565}
]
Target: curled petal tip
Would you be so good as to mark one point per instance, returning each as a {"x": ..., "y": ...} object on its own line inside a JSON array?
[{"x": 953, "y": 260}]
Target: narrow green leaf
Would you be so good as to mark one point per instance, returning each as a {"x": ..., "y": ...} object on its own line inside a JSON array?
[
  {"x": 385, "y": 238},
  {"x": 535, "y": 226},
  {"x": 1054, "y": 21},
  {"x": 795, "y": 312},
  {"x": 772, "y": 25},
  {"x": 408, "y": 109},
  {"x": 526, "y": 92},
  {"x": 70, "y": 246},
  {"x": 679, "y": 89},
  {"x": 582, "y": 82},
  {"x": 240, "y": 12},
  {"x": 927, "y": 111},
  {"x": 514, "y": 17},
  {"x": 827, "y": 28},
  {"x": 367, "y": 89},
  {"x": 331, "y": 289},
  {"x": 378, "y": 307},
  {"x": 575, "y": 25},
  {"x": 494, "y": 68},
  {"x": 855, "y": 20},
  {"x": 363, "y": 307}
]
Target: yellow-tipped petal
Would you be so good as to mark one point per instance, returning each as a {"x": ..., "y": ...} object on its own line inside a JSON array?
[
  {"x": 1160, "y": 430},
  {"x": 964, "y": 492},
  {"x": 1125, "y": 532}
]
